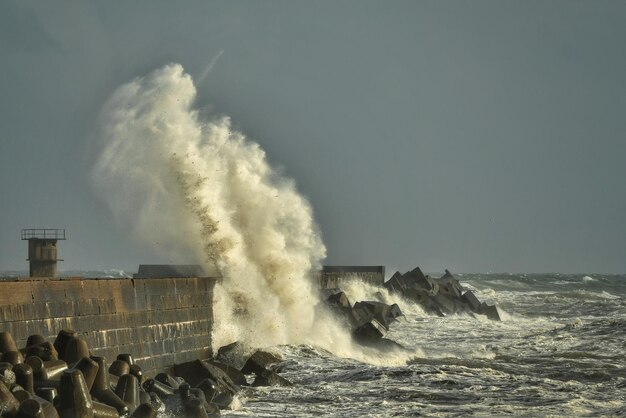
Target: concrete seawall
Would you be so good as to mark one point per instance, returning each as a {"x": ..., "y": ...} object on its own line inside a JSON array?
[{"x": 161, "y": 322}]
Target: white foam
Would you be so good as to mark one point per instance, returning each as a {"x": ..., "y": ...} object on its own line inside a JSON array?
[{"x": 195, "y": 190}]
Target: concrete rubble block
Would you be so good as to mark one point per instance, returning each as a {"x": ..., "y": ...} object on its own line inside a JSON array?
[
  {"x": 13, "y": 357},
  {"x": 471, "y": 301},
  {"x": 39, "y": 408},
  {"x": 47, "y": 393},
  {"x": 119, "y": 368},
  {"x": 196, "y": 371},
  {"x": 89, "y": 368},
  {"x": 144, "y": 411},
  {"x": 75, "y": 350},
  {"x": 137, "y": 371},
  {"x": 60, "y": 343},
  {"x": 128, "y": 390},
  {"x": 41, "y": 352},
  {"x": 19, "y": 393},
  {"x": 197, "y": 393},
  {"x": 259, "y": 361},
  {"x": 490, "y": 311},
  {"x": 208, "y": 388},
  {"x": 101, "y": 410},
  {"x": 370, "y": 331},
  {"x": 156, "y": 402},
  {"x": 127, "y": 358},
  {"x": 24, "y": 377},
  {"x": 44, "y": 350},
  {"x": 35, "y": 339},
  {"x": 144, "y": 397},
  {"x": 416, "y": 279},
  {"x": 394, "y": 284},
  {"x": 235, "y": 375},
  {"x": 235, "y": 354},
  {"x": 101, "y": 388},
  {"x": 161, "y": 389},
  {"x": 339, "y": 299},
  {"x": 383, "y": 313},
  {"x": 447, "y": 303},
  {"x": 30, "y": 408},
  {"x": 46, "y": 370},
  {"x": 8, "y": 403},
  {"x": 270, "y": 378},
  {"x": 7, "y": 343},
  {"x": 7, "y": 375},
  {"x": 194, "y": 408},
  {"x": 74, "y": 400},
  {"x": 168, "y": 380},
  {"x": 449, "y": 285}
]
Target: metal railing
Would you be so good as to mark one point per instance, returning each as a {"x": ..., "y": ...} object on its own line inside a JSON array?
[{"x": 43, "y": 233}]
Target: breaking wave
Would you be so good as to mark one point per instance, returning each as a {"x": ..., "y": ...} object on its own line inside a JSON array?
[{"x": 196, "y": 190}]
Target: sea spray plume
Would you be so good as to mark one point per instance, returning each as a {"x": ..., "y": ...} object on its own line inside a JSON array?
[
  {"x": 198, "y": 191},
  {"x": 194, "y": 189}
]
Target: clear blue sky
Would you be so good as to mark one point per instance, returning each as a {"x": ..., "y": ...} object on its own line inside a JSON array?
[{"x": 473, "y": 135}]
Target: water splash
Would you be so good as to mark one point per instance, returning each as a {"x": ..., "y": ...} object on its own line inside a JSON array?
[{"x": 196, "y": 190}]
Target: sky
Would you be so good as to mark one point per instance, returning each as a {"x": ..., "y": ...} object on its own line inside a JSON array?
[{"x": 478, "y": 136}]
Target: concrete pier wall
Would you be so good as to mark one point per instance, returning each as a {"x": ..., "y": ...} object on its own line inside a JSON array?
[{"x": 160, "y": 322}]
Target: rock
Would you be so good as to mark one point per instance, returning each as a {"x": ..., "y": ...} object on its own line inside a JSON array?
[
  {"x": 235, "y": 375},
  {"x": 74, "y": 400},
  {"x": 46, "y": 370},
  {"x": 8, "y": 403},
  {"x": 370, "y": 331},
  {"x": 383, "y": 313},
  {"x": 471, "y": 301},
  {"x": 30, "y": 408},
  {"x": 195, "y": 372},
  {"x": 144, "y": 411},
  {"x": 491, "y": 311},
  {"x": 101, "y": 388},
  {"x": 259, "y": 361},
  {"x": 44, "y": 350},
  {"x": 13, "y": 357},
  {"x": 90, "y": 369},
  {"x": 161, "y": 389},
  {"x": 234, "y": 354},
  {"x": 339, "y": 300},
  {"x": 60, "y": 343},
  {"x": 168, "y": 380},
  {"x": 270, "y": 378},
  {"x": 75, "y": 350},
  {"x": 127, "y": 389},
  {"x": 194, "y": 408},
  {"x": 119, "y": 368},
  {"x": 450, "y": 286},
  {"x": 441, "y": 297},
  {"x": 35, "y": 339},
  {"x": 6, "y": 342},
  {"x": 7, "y": 375},
  {"x": 127, "y": 358},
  {"x": 24, "y": 377}
]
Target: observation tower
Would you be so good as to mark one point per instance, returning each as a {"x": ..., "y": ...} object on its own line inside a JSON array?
[{"x": 42, "y": 250}]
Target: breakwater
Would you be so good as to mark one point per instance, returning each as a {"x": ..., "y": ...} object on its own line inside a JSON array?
[{"x": 161, "y": 321}]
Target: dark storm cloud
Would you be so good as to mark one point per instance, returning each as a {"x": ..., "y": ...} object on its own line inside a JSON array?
[{"x": 475, "y": 135}]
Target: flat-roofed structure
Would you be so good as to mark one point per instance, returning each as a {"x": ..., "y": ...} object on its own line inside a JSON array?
[
  {"x": 156, "y": 271},
  {"x": 330, "y": 277}
]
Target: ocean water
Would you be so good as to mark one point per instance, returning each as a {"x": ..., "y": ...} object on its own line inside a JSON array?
[{"x": 561, "y": 351}]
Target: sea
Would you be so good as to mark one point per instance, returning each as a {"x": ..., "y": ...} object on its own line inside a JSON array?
[{"x": 560, "y": 351}]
